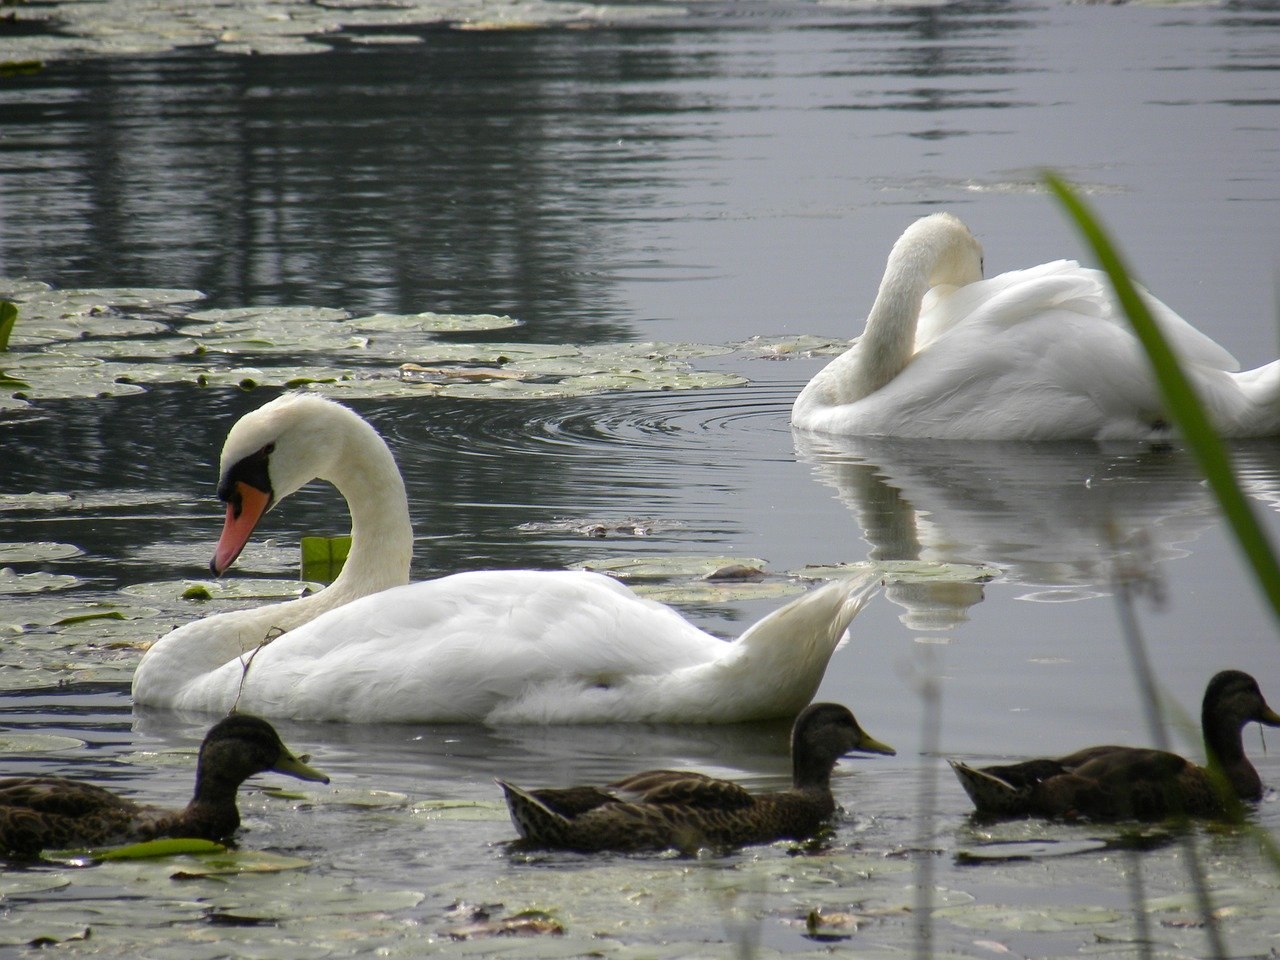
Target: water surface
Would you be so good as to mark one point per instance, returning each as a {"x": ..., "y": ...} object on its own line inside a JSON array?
[{"x": 710, "y": 177}]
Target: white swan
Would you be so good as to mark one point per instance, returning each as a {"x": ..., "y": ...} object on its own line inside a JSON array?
[
  {"x": 495, "y": 646},
  {"x": 1037, "y": 354}
]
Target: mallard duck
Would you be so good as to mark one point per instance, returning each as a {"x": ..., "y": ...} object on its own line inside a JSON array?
[
  {"x": 1132, "y": 783},
  {"x": 661, "y": 809},
  {"x": 40, "y": 813},
  {"x": 1038, "y": 354},
  {"x": 499, "y": 646}
]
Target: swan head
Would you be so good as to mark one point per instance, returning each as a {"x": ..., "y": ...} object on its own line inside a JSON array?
[
  {"x": 953, "y": 254},
  {"x": 270, "y": 453}
]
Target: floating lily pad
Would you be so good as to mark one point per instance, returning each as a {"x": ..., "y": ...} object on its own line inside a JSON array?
[
  {"x": 717, "y": 592},
  {"x": 37, "y": 582},
  {"x": 904, "y": 571},
  {"x": 20, "y": 741},
  {"x": 665, "y": 567},
  {"x": 37, "y": 552},
  {"x": 1041, "y": 919},
  {"x": 462, "y": 810},
  {"x": 781, "y": 348},
  {"x": 432, "y": 323},
  {"x": 247, "y": 588},
  {"x": 227, "y": 863}
]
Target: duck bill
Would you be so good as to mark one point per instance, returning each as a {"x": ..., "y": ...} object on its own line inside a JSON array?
[
  {"x": 1269, "y": 717},
  {"x": 292, "y": 766},
  {"x": 245, "y": 508},
  {"x": 869, "y": 744}
]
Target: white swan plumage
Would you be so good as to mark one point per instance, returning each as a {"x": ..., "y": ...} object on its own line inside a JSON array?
[
  {"x": 494, "y": 646},
  {"x": 1037, "y": 354}
]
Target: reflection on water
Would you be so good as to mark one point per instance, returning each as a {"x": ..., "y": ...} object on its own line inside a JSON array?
[{"x": 738, "y": 172}]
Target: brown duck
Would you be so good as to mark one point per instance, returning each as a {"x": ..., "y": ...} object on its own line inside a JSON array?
[
  {"x": 1132, "y": 783},
  {"x": 41, "y": 813},
  {"x": 661, "y": 809}
]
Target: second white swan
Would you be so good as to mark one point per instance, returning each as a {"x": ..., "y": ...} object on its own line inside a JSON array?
[
  {"x": 1036, "y": 354},
  {"x": 495, "y": 646}
]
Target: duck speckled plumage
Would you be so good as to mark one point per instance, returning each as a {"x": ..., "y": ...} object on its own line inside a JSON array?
[
  {"x": 41, "y": 813},
  {"x": 661, "y": 809},
  {"x": 1132, "y": 783}
]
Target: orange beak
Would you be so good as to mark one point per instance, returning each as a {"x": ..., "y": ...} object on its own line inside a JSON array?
[{"x": 244, "y": 509}]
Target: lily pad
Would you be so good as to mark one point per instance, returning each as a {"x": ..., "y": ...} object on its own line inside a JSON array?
[
  {"x": 904, "y": 571},
  {"x": 21, "y": 741},
  {"x": 432, "y": 322},
  {"x": 37, "y": 582},
  {"x": 1040, "y": 919},
  {"x": 229, "y": 863},
  {"x": 665, "y": 567},
  {"x": 37, "y": 552},
  {"x": 247, "y": 588}
]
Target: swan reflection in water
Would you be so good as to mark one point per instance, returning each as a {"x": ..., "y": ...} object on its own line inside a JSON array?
[{"x": 1057, "y": 516}]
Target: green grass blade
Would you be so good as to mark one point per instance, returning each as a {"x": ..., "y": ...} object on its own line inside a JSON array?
[
  {"x": 1180, "y": 399},
  {"x": 8, "y": 317}
]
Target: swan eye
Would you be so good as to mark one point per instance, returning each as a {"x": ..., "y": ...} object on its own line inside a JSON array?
[{"x": 269, "y": 449}]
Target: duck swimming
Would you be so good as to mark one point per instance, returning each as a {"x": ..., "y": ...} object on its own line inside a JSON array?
[
  {"x": 496, "y": 646},
  {"x": 1037, "y": 354},
  {"x": 662, "y": 809},
  {"x": 42, "y": 813},
  {"x": 1132, "y": 783}
]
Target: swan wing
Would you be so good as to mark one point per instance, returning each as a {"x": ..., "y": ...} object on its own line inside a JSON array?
[{"x": 455, "y": 647}]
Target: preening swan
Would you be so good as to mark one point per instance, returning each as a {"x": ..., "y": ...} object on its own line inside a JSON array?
[
  {"x": 1037, "y": 354},
  {"x": 495, "y": 646}
]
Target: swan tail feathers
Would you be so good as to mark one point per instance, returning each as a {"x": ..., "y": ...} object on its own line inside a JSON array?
[
  {"x": 1260, "y": 389},
  {"x": 783, "y": 656}
]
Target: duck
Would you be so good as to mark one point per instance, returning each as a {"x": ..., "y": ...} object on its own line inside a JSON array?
[
  {"x": 1043, "y": 353},
  {"x": 1134, "y": 783},
  {"x": 686, "y": 810},
  {"x": 493, "y": 646},
  {"x": 43, "y": 813}
]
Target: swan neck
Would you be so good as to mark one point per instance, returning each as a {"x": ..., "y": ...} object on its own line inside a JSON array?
[
  {"x": 936, "y": 250},
  {"x": 366, "y": 475}
]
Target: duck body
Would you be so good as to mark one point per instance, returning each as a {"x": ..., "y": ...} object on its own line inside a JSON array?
[
  {"x": 1038, "y": 354},
  {"x": 1135, "y": 783},
  {"x": 494, "y": 646},
  {"x": 664, "y": 809},
  {"x": 40, "y": 813}
]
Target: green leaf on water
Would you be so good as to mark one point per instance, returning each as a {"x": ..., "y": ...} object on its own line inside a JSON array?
[
  {"x": 147, "y": 850},
  {"x": 323, "y": 557},
  {"x": 8, "y": 317}
]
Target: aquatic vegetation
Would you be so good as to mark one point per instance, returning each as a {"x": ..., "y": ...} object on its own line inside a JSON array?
[{"x": 115, "y": 342}]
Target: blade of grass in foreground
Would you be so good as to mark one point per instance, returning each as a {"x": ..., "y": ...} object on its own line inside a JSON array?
[{"x": 1180, "y": 398}]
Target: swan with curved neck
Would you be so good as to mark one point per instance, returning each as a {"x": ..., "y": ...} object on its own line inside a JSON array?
[
  {"x": 1037, "y": 354},
  {"x": 495, "y": 646}
]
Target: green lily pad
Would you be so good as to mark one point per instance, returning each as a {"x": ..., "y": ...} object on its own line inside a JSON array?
[
  {"x": 904, "y": 571},
  {"x": 247, "y": 588},
  {"x": 484, "y": 810},
  {"x": 150, "y": 849},
  {"x": 717, "y": 592},
  {"x": 222, "y": 862},
  {"x": 432, "y": 322},
  {"x": 1039, "y": 919},
  {"x": 666, "y": 567},
  {"x": 37, "y": 582},
  {"x": 37, "y": 552},
  {"x": 19, "y": 741}
]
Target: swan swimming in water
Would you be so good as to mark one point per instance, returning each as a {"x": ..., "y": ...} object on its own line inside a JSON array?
[
  {"x": 1037, "y": 354},
  {"x": 495, "y": 646}
]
